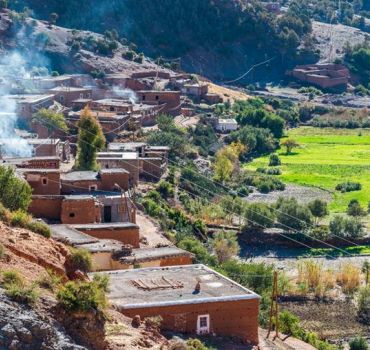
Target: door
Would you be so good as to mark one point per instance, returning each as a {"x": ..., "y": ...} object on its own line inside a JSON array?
[
  {"x": 203, "y": 324},
  {"x": 107, "y": 213}
]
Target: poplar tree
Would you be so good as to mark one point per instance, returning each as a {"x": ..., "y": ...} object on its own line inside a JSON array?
[{"x": 90, "y": 141}]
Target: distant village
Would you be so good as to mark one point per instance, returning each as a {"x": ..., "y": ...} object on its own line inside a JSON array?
[{"x": 96, "y": 210}]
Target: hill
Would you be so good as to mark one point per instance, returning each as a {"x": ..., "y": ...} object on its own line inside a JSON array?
[{"x": 220, "y": 39}]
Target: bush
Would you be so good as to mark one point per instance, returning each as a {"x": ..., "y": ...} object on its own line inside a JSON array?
[
  {"x": 21, "y": 293},
  {"x": 39, "y": 227},
  {"x": 153, "y": 322},
  {"x": 81, "y": 260},
  {"x": 358, "y": 343},
  {"x": 363, "y": 311},
  {"x": 20, "y": 218},
  {"x": 348, "y": 186},
  {"x": 129, "y": 55},
  {"x": 320, "y": 232},
  {"x": 82, "y": 296},
  {"x": 354, "y": 208},
  {"x": 288, "y": 323},
  {"x": 49, "y": 280},
  {"x": 201, "y": 253},
  {"x": 292, "y": 215},
  {"x": 11, "y": 277},
  {"x": 271, "y": 171},
  {"x": 349, "y": 278},
  {"x": 5, "y": 214},
  {"x": 165, "y": 189},
  {"x": 274, "y": 160},
  {"x": 2, "y": 251}
]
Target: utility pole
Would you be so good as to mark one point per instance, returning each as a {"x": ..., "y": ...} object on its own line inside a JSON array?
[{"x": 274, "y": 308}]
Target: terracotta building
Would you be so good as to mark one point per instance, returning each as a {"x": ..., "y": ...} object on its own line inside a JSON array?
[
  {"x": 87, "y": 181},
  {"x": 67, "y": 94},
  {"x": 50, "y": 148},
  {"x": 324, "y": 75},
  {"x": 190, "y": 299},
  {"x": 168, "y": 100},
  {"x": 42, "y": 181}
]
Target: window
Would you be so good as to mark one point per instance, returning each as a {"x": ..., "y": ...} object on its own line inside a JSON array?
[
  {"x": 143, "y": 98},
  {"x": 44, "y": 181},
  {"x": 203, "y": 324},
  {"x": 71, "y": 215},
  {"x": 111, "y": 108},
  {"x": 93, "y": 188},
  {"x": 157, "y": 97}
]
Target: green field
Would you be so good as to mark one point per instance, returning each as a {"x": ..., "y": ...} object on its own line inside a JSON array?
[{"x": 327, "y": 157}]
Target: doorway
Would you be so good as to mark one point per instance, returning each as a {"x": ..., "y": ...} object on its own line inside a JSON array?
[{"x": 107, "y": 213}]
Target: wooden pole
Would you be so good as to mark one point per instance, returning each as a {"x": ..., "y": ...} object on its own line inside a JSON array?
[{"x": 274, "y": 309}]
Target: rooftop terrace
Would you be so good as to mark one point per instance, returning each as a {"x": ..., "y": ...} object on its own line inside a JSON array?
[{"x": 165, "y": 286}]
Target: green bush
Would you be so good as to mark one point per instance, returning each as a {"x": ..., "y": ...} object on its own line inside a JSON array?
[
  {"x": 201, "y": 253},
  {"x": 348, "y": 186},
  {"x": 358, "y": 343},
  {"x": 22, "y": 294},
  {"x": 152, "y": 208},
  {"x": 82, "y": 296},
  {"x": 165, "y": 189},
  {"x": 129, "y": 55},
  {"x": 270, "y": 171},
  {"x": 39, "y": 227},
  {"x": 274, "y": 160},
  {"x": 11, "y": 277},
  {"x": 102, "y": 281},
  {"x": 50, "y": 280},
  {"x": 354, "y": 208},
  {"x": 20, "y": 218},
  {"x": 81, "y": 260},
  {"x": 363, "y": 311}
]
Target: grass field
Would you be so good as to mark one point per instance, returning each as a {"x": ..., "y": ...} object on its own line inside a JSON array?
[
  {"x": 357, "y": 250},
  {"x": 327, "y": 157}
]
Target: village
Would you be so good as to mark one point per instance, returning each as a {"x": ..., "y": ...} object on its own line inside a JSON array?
[{"x": 96, "y": 210}]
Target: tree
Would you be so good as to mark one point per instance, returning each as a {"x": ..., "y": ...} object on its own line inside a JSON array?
[
  {"x": 51, "y": 120},
  {"x": 354, "y": 228},
  {"x": 259, "y": 216},
  {"x": 354, "y": 208},
  {"x": 318, "y": 209},
  {"x": 90, "y": 141},
  {"x": 225, "y": 245},
  {"x": 336, "y": 226},
  {"x": 358, "y": 343},
  {"x": 14, "y": 193},
  {"x": 292, "y": 215},
  {"x": 290, "y": 144},
  {"x": 274, "y": 160},
  {"x": 53, "y": 17}
]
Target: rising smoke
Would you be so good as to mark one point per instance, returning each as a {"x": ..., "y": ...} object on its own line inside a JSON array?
[
  {"x": 12, "y": 72},
  {"x": 127, "y": 94}
]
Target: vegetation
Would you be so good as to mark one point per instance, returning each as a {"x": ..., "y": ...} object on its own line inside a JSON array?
[
  {"x": 327, "y": 157},
  {"x": 51, "y": 120},
  {"x": 81, "y": 260},
  {"x": 358, "y": 343},
  {"x": 364, "y": 305},
  {"x": 225, "y": 246},
  {"x": 289, "y": 145},
  {"x": 348, "y": 186},
  {"x": 90, "y": 141},
  {"x": 14, "y": 193},
  {"x": 17, "y": 289},
  {"x": 77, "y": 296}
]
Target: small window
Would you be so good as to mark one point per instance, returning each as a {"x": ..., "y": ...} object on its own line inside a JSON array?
[
  {"x": 93, "y": 188},
  {"x": 111, "y": 108},
  {"x": 44, "y": 181},
  {"x": 143, "y": 98},
  {"x": 203, "y": 322},
  {"x": 71, "y": 215},
  {"x": 157, "y": 97}
]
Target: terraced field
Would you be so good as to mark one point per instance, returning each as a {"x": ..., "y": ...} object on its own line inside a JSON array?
[{"x": 325, "y": 158}]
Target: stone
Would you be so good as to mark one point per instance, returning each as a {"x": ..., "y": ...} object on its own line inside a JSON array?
[
  {"x": 25, "y": 335},
  {"x": 136, "y": 321},
  {"x": 15, "y": 345},
  {"x": 8, "y": 331}
]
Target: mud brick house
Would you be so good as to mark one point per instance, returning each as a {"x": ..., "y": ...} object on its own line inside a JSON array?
[
  {"x": 119, "y": 106},
  {"x": 124, "y": 160},
  {"x": 197, "y": 90},
  {"x": 124, "y": 81},
  {"x": 67, "y": 94},
  {"x": 47, "y": 83},
  {"x": 42, "y": 181},
  {"x": 87, "y": 181},
  {"x": 28, "y": 104},
  {"x": 325, "y": 75},
  {"x": 124, "y": 232},
  {"x": 33, "y": 162},
  {"x": 168, "y": 100},
  {"x": 191, "y": 299},
  {"x": 50, "y": 148}
]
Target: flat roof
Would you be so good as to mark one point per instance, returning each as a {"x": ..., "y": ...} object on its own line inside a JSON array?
[
  {"x": 147, "y": 254},
  {"x": 102, "y": 245},
  {"x": 69, "y": 88},
  {"x": 29, "y": 98},
  {"x": 117, "y": 155},
  {"x": 71, "y": 236},
  {"x": 77, "y": 197},
  {"x": 79, "y": 176},
  {"x": 125, "y": 145},
  {"x": 225, "y": 121},
  {"x": 105, "y": 225},
  {"x": 174, "y": 285},
  {"x": 38, "y": 170},
  {"x": 43, "y": 141},
  {"x": 114, "y": 171},
  {"x": 113, "y": 102}
]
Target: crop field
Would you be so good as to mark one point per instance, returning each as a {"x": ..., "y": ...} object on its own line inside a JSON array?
[{"x": 325, "y": 158}]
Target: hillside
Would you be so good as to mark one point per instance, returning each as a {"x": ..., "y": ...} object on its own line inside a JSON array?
[
  {"x": 46, "y": 325},
  {"x": 219, "y": 39}
]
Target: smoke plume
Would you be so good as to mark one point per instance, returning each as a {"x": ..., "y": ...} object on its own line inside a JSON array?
[{"x": 125, "y": 93}]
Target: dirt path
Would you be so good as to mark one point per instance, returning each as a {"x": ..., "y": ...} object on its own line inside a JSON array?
[{"x": 150, "y": 231}]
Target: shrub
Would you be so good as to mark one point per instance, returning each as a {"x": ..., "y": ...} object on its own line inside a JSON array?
[
  {"x": 288, "y": 324},
  {"x": 82, "y": 296},
  {"x": 225, "y": 246},
  {"x": 259, "y": 216},
  {"x": 320, "y": 232},
  {"x": 364, "y": 305},
  {"x": 129, "y": 55},
  {"x": 292, "y": 215},
  {"x": 271, "y": 171},
  {"x": 201, "y": 253},
  {"x": 358, "y": 343},
  {"x": 20, "y": 218},
  {"x": 349, "y": 278},
  {"x": 274, "y": 160},
  {"x": 102, "y": 281},
  {"x": 153, "y": 322},
  {"x": 5, "y": 214},
  {"x": 81, "y": 260},
  {"x": 11, "y": 277},
  {"x": 22, "y": 293},
  {"x": 165, "y": 189},
  {"x": 354, "y": 208},
  {"x": 348, "y": 186},
  {"x": 151, "y": 207},
  {"x": 39, "y": 227}
]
